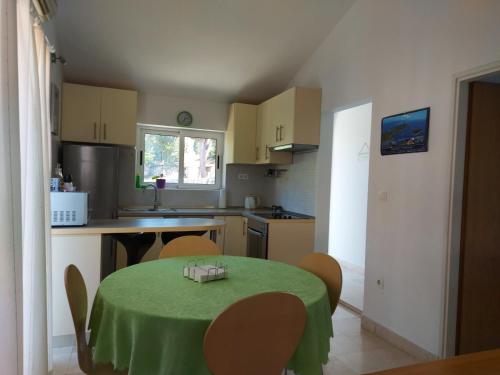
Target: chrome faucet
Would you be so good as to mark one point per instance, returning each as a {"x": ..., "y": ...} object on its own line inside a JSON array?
[{"x": 157, "y": 202}]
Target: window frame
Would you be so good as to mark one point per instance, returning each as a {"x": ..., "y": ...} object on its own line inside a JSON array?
[{"x": 142, "y": 129}]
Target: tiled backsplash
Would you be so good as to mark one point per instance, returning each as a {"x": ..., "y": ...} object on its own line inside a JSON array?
[
  {"x": 257, "y": 184},
  {"x": 294, "y": 190}
]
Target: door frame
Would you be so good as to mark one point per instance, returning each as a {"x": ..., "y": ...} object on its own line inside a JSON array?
[{"x": 452, "y": 272}]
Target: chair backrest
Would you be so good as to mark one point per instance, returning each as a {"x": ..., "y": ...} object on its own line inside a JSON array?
[
  {"x": 256, "y": 335},
  {"x": 328, "y": 270},
  {"x": 189, "y": 245},
  {"x": 76, "y": 292}
]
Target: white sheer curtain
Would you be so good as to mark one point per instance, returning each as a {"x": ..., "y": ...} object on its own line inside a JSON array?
[
  {"x": 34, "y": 134},
  {"x": 9, "y": 221}
]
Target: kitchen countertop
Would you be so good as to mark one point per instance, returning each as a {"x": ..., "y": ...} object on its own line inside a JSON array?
[
  {"x": 210, "y": 212},
  {"x": 110, "y": 226}
]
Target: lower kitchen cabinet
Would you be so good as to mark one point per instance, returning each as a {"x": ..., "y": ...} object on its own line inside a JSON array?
[
  {"x": 233, "y": 238},
  {"x": 289, "y": 241}
]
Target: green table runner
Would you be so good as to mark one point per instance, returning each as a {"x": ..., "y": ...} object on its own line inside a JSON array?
[{"x": 152, "y": 320}]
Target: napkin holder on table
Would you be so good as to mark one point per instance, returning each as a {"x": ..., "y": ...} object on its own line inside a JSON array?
[{"x": 204, "y": 273}]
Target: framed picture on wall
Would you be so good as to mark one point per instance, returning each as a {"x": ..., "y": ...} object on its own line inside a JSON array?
[
  {"x": 405, "y": 132},
  {"x": 54, "y": 108}
]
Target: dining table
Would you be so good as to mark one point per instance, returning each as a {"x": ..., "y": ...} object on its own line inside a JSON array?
[{"x": 151, "y": 319}]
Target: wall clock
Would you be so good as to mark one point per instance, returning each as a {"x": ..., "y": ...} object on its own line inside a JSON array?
[{"x": 184, "y": 118}]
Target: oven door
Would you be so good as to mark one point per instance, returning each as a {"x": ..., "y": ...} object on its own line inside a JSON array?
[{"x": 256, "y": 244}]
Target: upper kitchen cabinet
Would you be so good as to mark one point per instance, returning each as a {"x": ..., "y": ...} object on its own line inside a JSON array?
[
  {"x": 118, "y": 116},
  {"x": 265, "y": 136},
  {"x": 241, "y": 133},
  {"x": 98, "y": 115},
  {"x": 81, "y": 113},
  {"x": 295, "y": 117}
]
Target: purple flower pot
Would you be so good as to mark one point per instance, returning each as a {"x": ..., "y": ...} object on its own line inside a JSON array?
[{"x": 160, "y": 183}]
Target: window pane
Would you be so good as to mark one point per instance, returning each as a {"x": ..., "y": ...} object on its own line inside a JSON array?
[
  {"x": 199, "y": 160},
  {"x": 161, "y": 157}
]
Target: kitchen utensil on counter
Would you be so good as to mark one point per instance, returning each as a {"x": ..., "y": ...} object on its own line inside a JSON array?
[
  {"x": 160, "y": 183},
  {"x": 252, "y": 202}
]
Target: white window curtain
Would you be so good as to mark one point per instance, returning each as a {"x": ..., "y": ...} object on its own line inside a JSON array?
[
  {"x": 34, "y": 137},
  {"x": 9, "y": 220}
]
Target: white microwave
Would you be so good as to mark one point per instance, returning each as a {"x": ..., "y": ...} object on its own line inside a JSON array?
[{"x": 68, "y": 209}]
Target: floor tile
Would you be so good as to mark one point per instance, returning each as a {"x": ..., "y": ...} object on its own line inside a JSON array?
[{"x": 353, "y": 351}]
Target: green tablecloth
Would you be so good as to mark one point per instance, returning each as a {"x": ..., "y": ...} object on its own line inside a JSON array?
[{"x": 152, "y": 320}]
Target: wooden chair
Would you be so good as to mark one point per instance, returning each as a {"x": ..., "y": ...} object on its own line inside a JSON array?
[
  {"x": 189, "y": 245},
  {"x": 77, "y": 298},
  {"x": 328, "y": 270},
  {"x": 256, "y": 335}
]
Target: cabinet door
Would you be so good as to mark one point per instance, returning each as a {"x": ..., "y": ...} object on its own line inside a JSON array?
[
  {"x": 289, "y": 241},
  {"x": 81, "y": 113},
  {"x": 262, "y": 133},
  {"x": 266, "y": 135},
  {"x": 283, "y": 108},
  {"x": 241, "y": 134},
  {"x": 118, "y": 116},
  {"x": 235, "y": 236}
]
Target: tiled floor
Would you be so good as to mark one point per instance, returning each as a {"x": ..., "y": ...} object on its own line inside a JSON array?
[
  {"x": 353, "y": 286},
  {"x": 353, "y": 351}
]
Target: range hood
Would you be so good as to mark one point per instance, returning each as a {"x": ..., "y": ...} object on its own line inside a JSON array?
[{"x": 295, "y": 147}]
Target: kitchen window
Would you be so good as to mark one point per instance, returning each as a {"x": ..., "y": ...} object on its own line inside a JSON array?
[{"x": 185, "y": 158}]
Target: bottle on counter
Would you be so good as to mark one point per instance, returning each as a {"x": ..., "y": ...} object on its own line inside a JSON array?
[
  {"x": 56, "y": 181},
  {"x": 68, "y": 183}
]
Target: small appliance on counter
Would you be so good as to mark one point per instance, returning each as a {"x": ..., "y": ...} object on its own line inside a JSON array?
[
  {"x": 68, "y": 208},
  {"x": 251, "y": 202}
]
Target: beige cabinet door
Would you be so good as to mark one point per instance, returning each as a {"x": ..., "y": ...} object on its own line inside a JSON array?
[
  {"x": 241, "y": 134},
  {"x": 262, "y": 133},
  {"x": 283, "y": 109},
  {"x": 118, "y": 116},
  {"x": 235, "y": 236},
  {"x": 266, "y": 135},
  {"x": 289, "y": 241},
  {"x": 81, "y": 113}
]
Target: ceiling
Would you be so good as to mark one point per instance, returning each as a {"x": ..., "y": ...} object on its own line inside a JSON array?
[{"x": 246, "y": 50}]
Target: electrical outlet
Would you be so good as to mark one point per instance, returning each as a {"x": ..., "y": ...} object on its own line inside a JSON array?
[
  {"x": 383, "y": 196},
  {"x": 243, "y": 176},
  {"x": 380, "y": 283}
]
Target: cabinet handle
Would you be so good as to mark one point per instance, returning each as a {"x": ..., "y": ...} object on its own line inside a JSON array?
[
  {"x": 256, "y": 153},
  {"x": 95, "y": 130},
  {"x": 104, "y": 130},
  {"x": 244, "y": 228},
  {"x": 276, "y": 136},
  {"x": 267, "y": 149},
  {"x": 281, "y": 132}
]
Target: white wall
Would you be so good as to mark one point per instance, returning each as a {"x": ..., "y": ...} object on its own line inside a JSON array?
[
  {"x": 349, "y": 190},
  {"x": 403, "y": 54},
  {"x": 162, "y": 110}
]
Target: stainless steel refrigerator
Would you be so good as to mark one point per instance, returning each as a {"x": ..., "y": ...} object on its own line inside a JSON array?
[{"x": 94, "y": 169}]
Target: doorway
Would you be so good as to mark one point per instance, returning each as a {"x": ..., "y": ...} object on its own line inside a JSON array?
[
  {"x": 473, "y": 294},
  {"x": 349, "y": 198}
]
